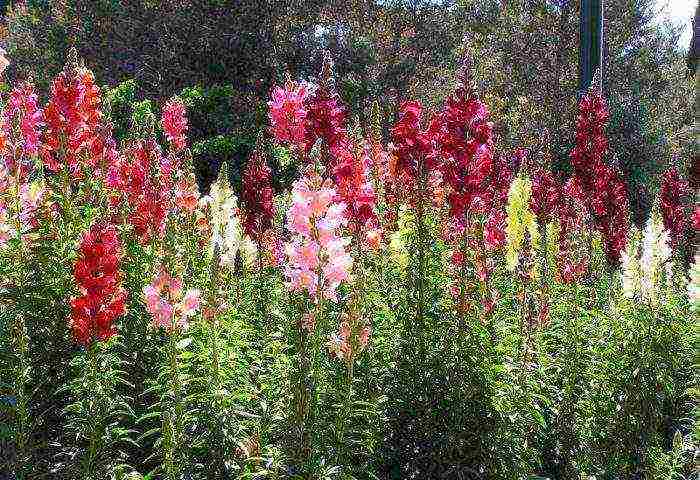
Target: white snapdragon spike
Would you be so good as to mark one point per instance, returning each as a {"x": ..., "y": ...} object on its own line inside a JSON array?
[
  {"x": 225, "y": 225},
  {"x": 694, "y": 286},
  {"x": 631, "y": 267},
  {"x": 655, "y": 261}
]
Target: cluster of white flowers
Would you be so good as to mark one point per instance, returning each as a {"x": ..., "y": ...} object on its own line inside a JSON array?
[
  {"x": 647, "y": 276},
  {"x": 694, "y": 286},
  {"x": 227, "y": 232}
]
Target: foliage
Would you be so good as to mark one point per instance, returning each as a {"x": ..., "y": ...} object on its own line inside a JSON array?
[{"x": 377, "y": 326}]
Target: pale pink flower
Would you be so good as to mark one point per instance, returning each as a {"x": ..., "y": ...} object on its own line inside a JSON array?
[
  {"x": 166, "y": 304},
  {"x": 191, "y": 302},
  {"x": 364, "y": 336},
  {"x": 316, "y": 248}
]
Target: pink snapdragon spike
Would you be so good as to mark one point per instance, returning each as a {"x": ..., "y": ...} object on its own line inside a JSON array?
[
  {"x": 317, "y": 258},
  {"x": 340, "y": 345},
  {"x": 166, "y": 303},
  {"x": 288, "y": 113},
  {"x": 21, "y": 114},
  {"x": 23, "y": 103},
  {"x": 174, "y": 122}
]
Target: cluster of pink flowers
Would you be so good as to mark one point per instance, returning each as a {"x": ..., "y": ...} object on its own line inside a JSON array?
[
  {"x": 674, "y": 205},
  {"x": 257, "y": 197},
  {"x": 174, "y": 121},
  {"x": 288, "y": 114},
  {"x": 166, "y": 303},
  {"x": 22, "y": 109},
  {"x": 317, "y": 258},
  {"x": 343, "y": 346},
  {"x": 99, "y": 280}
]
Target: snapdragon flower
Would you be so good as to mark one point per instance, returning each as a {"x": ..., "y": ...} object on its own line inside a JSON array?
[{"x": 317, "y": 258}]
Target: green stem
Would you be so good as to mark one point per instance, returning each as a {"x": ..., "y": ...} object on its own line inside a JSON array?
[
  {"x": 91, "y": 373},
  {"x": 176, "y": 410},
  {"x": 420, "y": 227},
  {"x": 22, "y": 348}
]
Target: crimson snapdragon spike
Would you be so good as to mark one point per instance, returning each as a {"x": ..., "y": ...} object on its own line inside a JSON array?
[
  {"x": 325, "y": 119},
  {"x": 604, "y": 194},
  {"x": 611, "y": 217},
  {"x": 257, "y": 197},
  {"x": 674, "y": 204},
  {"x": 413, "y": 145},
  {"x": 546, "y": 196},
  {"x": 98, "y": 277}
]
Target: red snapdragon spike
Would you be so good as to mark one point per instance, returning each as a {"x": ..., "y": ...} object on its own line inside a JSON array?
[
  {"x": 174, "y": 122},
  {"x": 611, "y": 217},
  {"x": 591, "y": 143},
  {"x": 464, "y": 141},
  {"x": 98, "y": 277},
  {"x": 355, "y": 189},
  {"x": 674, "y": 197},
  {"x": 412, "y": 144},
  {"x": 603, "y": 192},
  {"x": 143, "y": 180},
  {"x": 546, "y": 195},
  {"x": 73, "y": 119},
  {"x": 257, "y": 197},
  {"x": 325, "y": 119}
]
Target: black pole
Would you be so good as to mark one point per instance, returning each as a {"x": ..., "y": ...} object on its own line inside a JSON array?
[{"x": 591, "y": 44}]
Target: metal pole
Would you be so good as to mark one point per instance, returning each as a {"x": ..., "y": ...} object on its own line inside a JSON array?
[{"x": 591, "y": 44}]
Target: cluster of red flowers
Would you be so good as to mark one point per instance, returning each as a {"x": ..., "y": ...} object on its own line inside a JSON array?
[
  {"x": 674, "y": 205},
  {"x": 325, "y": 119},
  {"x": 174, "y": 123},
  {"x": 570, "y": 223},
  {"x": 355, "y": 189},
  {"x": 99, "y": 279},
  {"x": 604, "y": 192},
  {"x": 546, "y": 195},
  {"x": 611, "y": 216},
  {"x": 464, "y": 139},
  {"x": 413, "y": 146},
  {"x": 138, "y": 178},
  {"x": 73, "y": 116},
  {"x": 591, "y": 142},
  {"x": 257, "y": 197}
]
